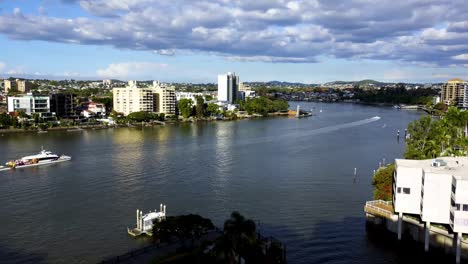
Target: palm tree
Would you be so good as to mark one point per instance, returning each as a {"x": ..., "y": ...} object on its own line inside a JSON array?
[{"x": 241, "y": 234}]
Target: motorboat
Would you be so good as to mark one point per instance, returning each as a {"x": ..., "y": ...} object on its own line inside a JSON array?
[{"x": 42, "y": 158}]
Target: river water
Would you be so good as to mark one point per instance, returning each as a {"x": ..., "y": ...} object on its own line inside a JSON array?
[{"x": 295, "y": 177}]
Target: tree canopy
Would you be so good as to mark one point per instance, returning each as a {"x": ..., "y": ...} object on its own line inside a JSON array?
[
  {"x": 263, "y": 105},
  {"x": 185, "y": 107},
  {"x": 383, "y": 183},
  {"x": 430, "y": 138}
]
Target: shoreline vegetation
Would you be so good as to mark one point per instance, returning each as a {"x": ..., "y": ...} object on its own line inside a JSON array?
[
  {"x": 201, "y": 112},
  {"x": 428, "y": 138},
  {"x": 194, "y": 239}
]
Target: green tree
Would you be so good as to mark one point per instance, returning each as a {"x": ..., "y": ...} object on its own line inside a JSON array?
[
  {"x": 383, "y": 183},
  {"x": 185, "y": 227},
  {"x": 185, "y": 107},
  {"x": 6, "y": 120},
  {"x": 141, "y": 116},
  {"x": 212, "y": 109},
  {"x": 200, "y": 107}
]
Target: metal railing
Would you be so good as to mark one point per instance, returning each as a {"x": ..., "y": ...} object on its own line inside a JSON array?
[{"x": 373, "y": 208}]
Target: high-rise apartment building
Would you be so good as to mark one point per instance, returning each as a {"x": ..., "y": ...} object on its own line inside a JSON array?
[
  {"x": 133, "y": 99},
  {"x": 228, "y": 87},
  {"x": 455, "y": 92},
  {"x": 165, "y": 98},
  {"x": 63, "y": 105},
  {"x": 158, "y": 98},
  {"x": 8, "y": 85},
  {"x": 20, "y": 85}
]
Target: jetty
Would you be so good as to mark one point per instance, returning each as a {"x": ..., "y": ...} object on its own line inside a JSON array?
[
  {"x": 144, "y": 222},
  {"x": 299, "y": 113}
]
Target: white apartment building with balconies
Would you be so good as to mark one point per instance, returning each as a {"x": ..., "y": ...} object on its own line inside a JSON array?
[
  {"x": 29, "y": 104},
  {"x": 434, "y": 189}
]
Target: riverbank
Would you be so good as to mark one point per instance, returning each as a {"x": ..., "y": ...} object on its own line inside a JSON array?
[{"x": 140, "y": 124}]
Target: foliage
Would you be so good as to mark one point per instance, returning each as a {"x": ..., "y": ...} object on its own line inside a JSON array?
[
  {"x": 107, "y": 101},
  {"x": 239, "y": 240},
  {"x": 383, "y": 183},
  {"x": 212, "y": 109},
  {"x": 431, "y": 138},
  {"x": 396, "y": 95},
  {"x": 200, "y": 107},
  {"x": 145, "y": 116},
  {"x": 184, "y": 227},
  {"x": 262, "y": 105},
  {"x": 441, "y": 106},
  {"x": 185, "y": 107},
  {"x": 6, "y": 120}
]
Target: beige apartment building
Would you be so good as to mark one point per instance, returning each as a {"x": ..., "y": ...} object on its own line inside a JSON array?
[
  {"x": 21, "y": 85},
  {"x": 133, "y": 99},
  {"x": 455, "y": 92},
  {"x": 165, "y": 98},
  {"x": 158, "y": 98}
]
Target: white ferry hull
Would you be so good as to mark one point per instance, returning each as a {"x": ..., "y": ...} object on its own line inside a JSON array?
[{"x": 46, "y": 162}]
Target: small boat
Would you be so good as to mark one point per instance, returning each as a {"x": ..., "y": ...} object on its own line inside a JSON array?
[
  {"x": 42, "y": 131},
  {"x": 43, "y": 158},
  {"x": 397, "y": 106}
]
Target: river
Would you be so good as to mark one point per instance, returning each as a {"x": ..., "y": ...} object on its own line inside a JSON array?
[{"x": 295, "y": 177}]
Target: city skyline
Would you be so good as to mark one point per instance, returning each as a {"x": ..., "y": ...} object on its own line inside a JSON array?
[{"x": 193, "y": 41}]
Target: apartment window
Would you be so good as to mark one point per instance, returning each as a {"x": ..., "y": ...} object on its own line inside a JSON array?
[
  {"x": 399, "y": 190},
  {"x": 465, "y": 207},
  {"x": 406, "y": 190},
  {"x": 457, "y": 207}
]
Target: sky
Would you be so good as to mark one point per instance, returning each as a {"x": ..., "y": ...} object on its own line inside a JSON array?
[{"x": 309, "y": 41}]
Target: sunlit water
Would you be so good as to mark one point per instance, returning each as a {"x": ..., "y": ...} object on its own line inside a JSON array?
[{"x": 295, "y": 177}]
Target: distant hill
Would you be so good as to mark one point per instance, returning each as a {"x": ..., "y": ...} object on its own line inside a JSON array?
[
  {"x": 363, "y": 82},
  {"x": 278, "y": 83}
]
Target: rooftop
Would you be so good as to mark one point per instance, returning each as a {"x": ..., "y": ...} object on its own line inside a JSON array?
[
  {"x": 456, "y": 80},
  {"x": 455, "y": 166}
]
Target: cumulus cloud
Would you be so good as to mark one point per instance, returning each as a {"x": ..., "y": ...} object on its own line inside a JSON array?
[
  {"x": 125, "y": 70},
  {"x": 461, "y": 57},
  {"x": 299, "y": 31},
  {"x": 2, "y": 66}
]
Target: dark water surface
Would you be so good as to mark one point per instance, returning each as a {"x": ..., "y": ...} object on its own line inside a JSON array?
[{"x": 293, "y": 176}]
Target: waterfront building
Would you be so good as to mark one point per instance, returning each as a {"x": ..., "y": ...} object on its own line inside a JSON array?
[
  {"x": 131, "y": 99},
  {"x": 188, "y": 95},
  {"x": 228, "y": 87},
  {"x": 455, "y": 92},
  {"x": 29, "y": 104},
  {"x": 434, "y": 189},
  {"x": 165, "y": 97},
  {"x": 64, "y": 105},
  {"x": 93, "y": 109},
  {"x": 159, "y": 98}
]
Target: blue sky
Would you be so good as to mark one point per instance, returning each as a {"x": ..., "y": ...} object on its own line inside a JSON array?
[{"x": 311, "y": 41}]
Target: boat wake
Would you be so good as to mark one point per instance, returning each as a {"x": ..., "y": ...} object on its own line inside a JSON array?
[{"x": 337, "y": 127}]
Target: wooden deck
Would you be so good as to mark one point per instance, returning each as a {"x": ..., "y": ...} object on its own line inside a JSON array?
[{"x": 379, "y": 208}]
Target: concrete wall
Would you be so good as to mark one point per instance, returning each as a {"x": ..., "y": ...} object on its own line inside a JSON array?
[
  {"x": 436, "y": 202},
  {"x": 439, "y": 238},
  {"x": 408, "y": 178}
]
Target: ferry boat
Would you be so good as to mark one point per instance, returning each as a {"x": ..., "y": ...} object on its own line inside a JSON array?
[{"x": 43, "y": 158}]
